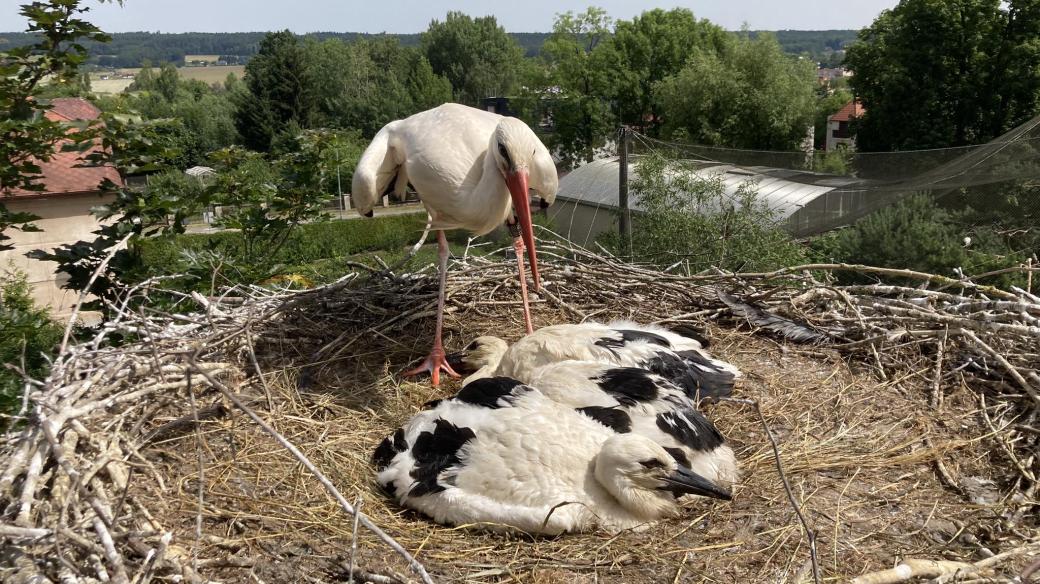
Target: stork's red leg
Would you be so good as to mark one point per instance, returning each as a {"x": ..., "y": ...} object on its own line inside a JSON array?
[
  {"x": 435, "y": 362},
  {"x": 518, "y": 245}
]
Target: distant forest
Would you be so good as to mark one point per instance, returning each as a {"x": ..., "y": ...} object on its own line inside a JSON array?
[{"x": 131, "y": 49}]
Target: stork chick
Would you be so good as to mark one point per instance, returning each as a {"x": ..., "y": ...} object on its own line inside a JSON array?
[
  {"x": 679, "y": 359},
  {"x": 500, "y": 455}
]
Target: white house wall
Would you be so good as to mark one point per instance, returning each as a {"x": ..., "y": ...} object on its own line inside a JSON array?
[{"x": 64, "y": 219}]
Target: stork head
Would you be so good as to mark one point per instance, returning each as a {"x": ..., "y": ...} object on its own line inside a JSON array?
[
  {"x": 522, "y": 158},
  {"x": 481, "y": 358},
  {"x": 646, "y": 480}
]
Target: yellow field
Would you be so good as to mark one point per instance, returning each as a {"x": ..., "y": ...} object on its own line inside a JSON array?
[
  {"x": 207, "y": 75},
  {"x": 212, "y": 74},
  {"x": 206, "y": 58},
  {"x": 108, "y": 86}
]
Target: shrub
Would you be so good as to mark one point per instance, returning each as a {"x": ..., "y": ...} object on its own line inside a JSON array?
[
  {"x": 688, "y": 217},
  {"x": 200, "y": 255},
  {"x": 26, "y": 333},
  {"x": 918, "y": 234}
]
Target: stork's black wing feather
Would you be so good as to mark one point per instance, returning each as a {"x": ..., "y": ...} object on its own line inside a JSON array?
[
  {"x": 694, "y": 373},
  {"x": 691, "y": 429},
  {"x": 762, "y": 318}
]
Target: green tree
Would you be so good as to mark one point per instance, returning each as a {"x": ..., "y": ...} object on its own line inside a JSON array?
[
  {"x": 27, "y": 138},
  {"x": 474, "y": 54},
  {"x": 266, "y": 200},
  {"x": 168, "y": 81},
  {"x": 203, "y": 118},
  {"x": 935, "y": 74},
  {"x": 582, "y": 66},
  {"x": 653, "y": 46},
  {"x": 366, "y": 84},
  {"x": 144, "y": 80},
  {"x": 426, "y": 88},
  {"x": 280, "y": 94},
  {"x": 751, "y": 95}
]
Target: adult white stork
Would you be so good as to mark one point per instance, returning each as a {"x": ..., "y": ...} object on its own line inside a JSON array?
[
  {"x": 680, "y": 359},
  {"x": 500, "y": 454},
  {"x": 472, "y": 170}
]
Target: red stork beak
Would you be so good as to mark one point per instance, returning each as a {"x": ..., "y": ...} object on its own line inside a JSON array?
[{"x": 517, "y": 183}]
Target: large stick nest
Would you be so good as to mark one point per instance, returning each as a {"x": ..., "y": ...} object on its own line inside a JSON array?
[{"x": 907, "y": 429}]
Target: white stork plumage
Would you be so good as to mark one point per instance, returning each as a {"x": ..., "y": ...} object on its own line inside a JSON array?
[
  {"x": 682, "y": 360},
  {"x": 472, "y": 170},
  {"x": 629, "y": 399},
  {"x": 501, "y": 455}
]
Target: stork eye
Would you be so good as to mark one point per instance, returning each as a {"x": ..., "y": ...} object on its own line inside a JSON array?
[
  {"x": 651, "y": 463},
  {"x": 472, "y": 346},
  {"x": 503, "y": 152}
]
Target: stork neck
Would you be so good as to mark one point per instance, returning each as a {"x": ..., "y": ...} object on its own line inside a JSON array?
[
  {"x": 489, "y": 358},
  {"x": 492, "y": 192}
]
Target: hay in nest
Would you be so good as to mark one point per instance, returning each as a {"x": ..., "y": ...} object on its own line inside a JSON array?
[{"x": 908, "y": 430}]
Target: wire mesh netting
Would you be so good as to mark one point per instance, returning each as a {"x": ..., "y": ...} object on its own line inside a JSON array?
[
  {"x": 814, "y": 192},
  {"x": 867, "y": 181},
  {"x": 960, "y": 211}
]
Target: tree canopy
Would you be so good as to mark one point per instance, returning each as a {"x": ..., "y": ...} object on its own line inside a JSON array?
[
  {"x": 748, "y": 95},
  {"x": 582, "y": 65},
  {"x": 935, "y": 74},
  {"x": 653, "y": 46},
  {"x": 281, "y": 92},
  {"x": 367, "y": 84},
  {"x": 474, "y": 54}
]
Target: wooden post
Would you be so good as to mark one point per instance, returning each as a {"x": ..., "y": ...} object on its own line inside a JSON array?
[{"x": 625, "y": 218}]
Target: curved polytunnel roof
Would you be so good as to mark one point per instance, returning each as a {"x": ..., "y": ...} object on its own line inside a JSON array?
[{"x": 596, "y": 184}]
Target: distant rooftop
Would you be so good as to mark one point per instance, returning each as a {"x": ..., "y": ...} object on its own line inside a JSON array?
[
  {"x": 62, "y": 174},
  {"x": 853, "y": 109}
]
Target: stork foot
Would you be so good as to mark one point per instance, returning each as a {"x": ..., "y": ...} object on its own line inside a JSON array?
[{"x": 434, "y": 364}]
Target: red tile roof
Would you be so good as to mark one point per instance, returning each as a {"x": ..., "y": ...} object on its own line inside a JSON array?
[
  {"x": 853, "y": 109},
  {"x": 70, "y": 109},
  {"x": 61, "y": 174}
]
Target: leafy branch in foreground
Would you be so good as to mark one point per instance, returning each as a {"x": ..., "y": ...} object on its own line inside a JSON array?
[
  {"x": 27, "y": 137},
  {"x": 263, "y": 198}
]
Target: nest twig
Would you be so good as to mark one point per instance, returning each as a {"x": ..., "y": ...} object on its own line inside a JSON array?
[{"x": 71, "y": 477}]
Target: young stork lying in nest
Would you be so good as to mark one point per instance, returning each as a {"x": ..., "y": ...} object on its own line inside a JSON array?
[
  {"x": 679, "y": 359},
  {"x": 502, "y": 455},
  {"x": 626, "y": 399}
]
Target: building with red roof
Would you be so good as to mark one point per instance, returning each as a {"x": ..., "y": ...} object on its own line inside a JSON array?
[
  {"x": 62, "y": 174},
  {"x": 69, "y": 192},
  {"x": 838, "y": 126}
]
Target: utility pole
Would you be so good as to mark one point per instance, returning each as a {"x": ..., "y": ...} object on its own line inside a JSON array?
[{"x": 625, "y": 219}]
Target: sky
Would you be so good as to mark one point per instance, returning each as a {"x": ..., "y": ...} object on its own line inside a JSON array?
[{"x": 408, "y": 16}]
